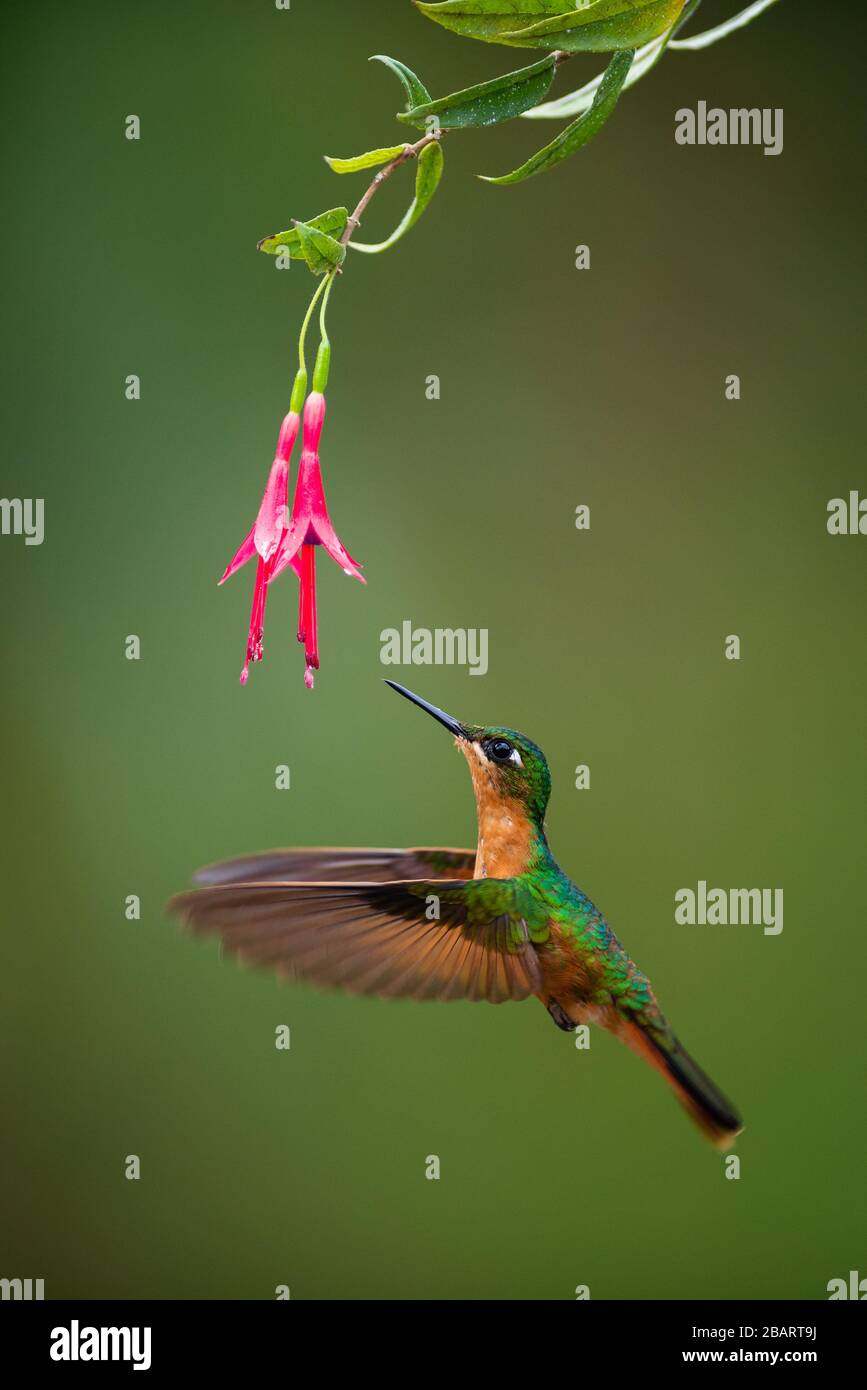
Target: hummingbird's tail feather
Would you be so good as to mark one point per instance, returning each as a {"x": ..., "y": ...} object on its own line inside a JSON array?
[{"x": 707, "y": 1107}]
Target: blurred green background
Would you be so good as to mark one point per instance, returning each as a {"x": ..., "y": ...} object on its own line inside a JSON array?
[{"x": 559, "y": 387}]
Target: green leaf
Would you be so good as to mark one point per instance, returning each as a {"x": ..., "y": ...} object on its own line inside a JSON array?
[
  {"x": 489, "y": 19},
  {"x": 321, "y": 252},
  {"x": 489, "y": 102},
  {"x": 416, "y": 92},
  {"x": 582, "y": 130},
  {"x": 646, "y": 58},
  {"x": 332, "y": 222},
  {"x": 600, "y": 25},
  {"x": 427, "y": 177},
  {"x": 364, "y": 161}
]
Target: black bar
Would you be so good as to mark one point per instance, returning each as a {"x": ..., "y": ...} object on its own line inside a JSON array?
[{"x": 227, "y": 1337}]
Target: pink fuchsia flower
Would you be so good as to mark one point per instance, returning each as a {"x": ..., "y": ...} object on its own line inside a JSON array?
[
  {"x": 264, "y": 537},
  {"x": 309, "y": 526}
]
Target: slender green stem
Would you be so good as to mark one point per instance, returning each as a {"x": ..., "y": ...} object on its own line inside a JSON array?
[
  {"x": 408, "y": 152},
  {"x": 323, "y": 356},
  {"x": 323, "y": 308},
  {"x": 326, "y": 284},
  {"x": 299, "y": 388},
  {"x": 302, "y": 364}
]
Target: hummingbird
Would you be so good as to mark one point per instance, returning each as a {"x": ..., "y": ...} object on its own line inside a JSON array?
[{"x": 501, "y": 922}]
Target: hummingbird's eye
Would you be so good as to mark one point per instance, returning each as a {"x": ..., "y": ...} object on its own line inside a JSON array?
[{"x": 500, "y": 750}]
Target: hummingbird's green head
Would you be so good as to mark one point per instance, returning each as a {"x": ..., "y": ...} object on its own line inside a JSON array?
[{"x": 509, "y": 771}]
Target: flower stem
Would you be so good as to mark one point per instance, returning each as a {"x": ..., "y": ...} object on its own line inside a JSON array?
[
  {"x": 323, "y": 356},
  {"x": 326, "y": 284},
  {"x": 408, "y": 152},
  {"x": 299, "y": 390}
]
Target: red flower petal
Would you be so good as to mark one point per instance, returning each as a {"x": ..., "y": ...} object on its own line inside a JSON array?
[{"x": 245, "y": 552}]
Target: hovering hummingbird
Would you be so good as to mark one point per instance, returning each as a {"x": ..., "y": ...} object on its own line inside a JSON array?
[{"x": 501, "y": 922}]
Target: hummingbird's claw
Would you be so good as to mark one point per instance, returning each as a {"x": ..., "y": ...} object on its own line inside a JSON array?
[{"x": 560, "y": 1017}]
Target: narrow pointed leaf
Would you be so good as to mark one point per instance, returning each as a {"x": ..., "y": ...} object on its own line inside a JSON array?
[
  {"x": 576, "y": 103},
  {"x": 604, "y": 26},
  {"x": 416, "y": 92},
  {"x": 737, "y": 21},
  {"x": 489, "y": 19},
  {"x": 489, "y": 102},
  {"x": 427, "y": 177},
  {"x": 600, "y": 26},
  {"x": 321, "y": 252},
  {"x": 364, "y": 161},
  {"x": 582, "y": 130},
  {"x": 332, "y": 222}
]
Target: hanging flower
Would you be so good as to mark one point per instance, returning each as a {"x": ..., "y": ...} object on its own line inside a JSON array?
[
  {"x": 309, "y": 526},
  {"x": 264, "y": 538}
]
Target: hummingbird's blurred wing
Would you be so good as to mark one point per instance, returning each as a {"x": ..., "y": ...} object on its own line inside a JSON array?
[
  {"x": 425, "y": 939},
  {"x": 318, "y": 865}
]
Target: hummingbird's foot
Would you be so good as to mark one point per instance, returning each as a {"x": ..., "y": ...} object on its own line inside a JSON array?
[{"x": 560, "y": 1017}]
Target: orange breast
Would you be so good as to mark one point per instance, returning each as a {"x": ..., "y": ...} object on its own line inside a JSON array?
[{"x": 505, "y": 840}]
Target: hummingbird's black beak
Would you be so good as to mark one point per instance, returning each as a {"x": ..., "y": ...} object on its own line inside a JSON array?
[{"x": 451, "y": 724}]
